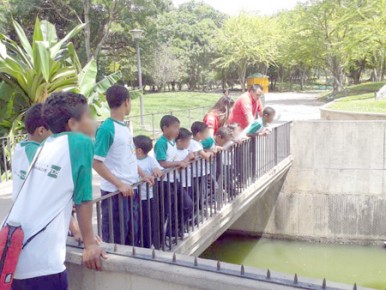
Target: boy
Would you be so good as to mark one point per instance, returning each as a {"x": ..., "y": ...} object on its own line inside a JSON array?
[
  {"x": 25, "y": 151},
  {"x": 183, "y": 141},
  {"x": 37, "y": 131},
  {"x": 166, "y": 153},
  {"x": 150, "y": 166},
  {"x": 116, "y": 163},
  {"x": 201, "y": 169},
  {"x": 260, "y": 127},
  {"x": 61, "y": 175}
]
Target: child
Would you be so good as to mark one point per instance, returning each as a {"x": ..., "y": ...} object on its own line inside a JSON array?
[
  {"x": 166, "y": 153},
  {"x": 183, "y": 141},
  {"x": 25, "y": 151},
  {"x": 260, "y": 127},
  {"x": 62, "y": 175},
  {"x": 38, "y": 131},
  {"x": 116, "y": 163},
  {"x": 150, "y": 166},
  {"x": 201, "y": 168}
]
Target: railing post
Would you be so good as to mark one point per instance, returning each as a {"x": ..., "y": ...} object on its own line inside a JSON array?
[{"x": 275, "y": 146}]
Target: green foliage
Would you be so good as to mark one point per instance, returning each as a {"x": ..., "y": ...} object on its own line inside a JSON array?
[
  {"x": 246, "y": 40},
  {"x": 32, "y": 70}
]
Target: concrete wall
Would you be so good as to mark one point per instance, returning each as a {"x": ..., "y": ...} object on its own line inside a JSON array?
[
  {"x": 123, "y": 271},
  {"x": 329, "y": 114},
  {"x": 335, "y": 190}
]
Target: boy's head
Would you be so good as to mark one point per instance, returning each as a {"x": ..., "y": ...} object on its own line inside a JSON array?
[
  {"x": 269, "y": 114},
  {"x": 143, "y": 145},
  {"x": 35, "y": 125},
  {"x": 235, "y": 129},
  {"x": 183, "y": 139},
  {"x": 65, "y": 111},
  {"x": 200, "y": 130},
  {"x": 170, "y": 126},
  {"x": 118, "y": 98},
  {"x": 223, "y": 136}
]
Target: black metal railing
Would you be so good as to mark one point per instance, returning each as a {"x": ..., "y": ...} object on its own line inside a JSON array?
[{"x": 183, "y": 199}]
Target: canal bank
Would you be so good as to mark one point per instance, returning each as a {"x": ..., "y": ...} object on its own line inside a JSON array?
[{"x": 339, "y": 263}]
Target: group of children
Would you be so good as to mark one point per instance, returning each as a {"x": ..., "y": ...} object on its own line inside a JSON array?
[{"x": 62, "y": 153}]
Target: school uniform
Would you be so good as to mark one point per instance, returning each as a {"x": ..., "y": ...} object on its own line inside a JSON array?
[
  {"x": 61, "y": 175},
  {"x": 148, "y": 164},
  {"x": 114, "y": 146},
  {"x": 166, "y": 150}
]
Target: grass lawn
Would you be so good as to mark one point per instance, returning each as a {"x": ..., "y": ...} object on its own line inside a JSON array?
[
  {"x": 159, "y": 104},
  {"x": 356, "y": 90},
  {"x": 360, "y": 103}
]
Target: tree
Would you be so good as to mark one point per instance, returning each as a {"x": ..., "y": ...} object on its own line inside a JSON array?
[
  {"x": 191, "y": 31},
  {"x": 167, "y": 68},
  {"x": 243, "y": 41},
  {"x": 29, "y": 72}
]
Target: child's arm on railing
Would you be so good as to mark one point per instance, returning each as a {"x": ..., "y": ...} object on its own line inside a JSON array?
[
  {"x": 92, "y": 251},
  {"x": 205, "y": 155}
]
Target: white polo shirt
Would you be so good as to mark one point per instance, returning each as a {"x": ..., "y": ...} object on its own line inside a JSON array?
[
  {"x": 166, "y": 150},
  {"x": 148, "y": 164},
  {"x": 62, "y": 175},
  {"x": 114, "y": 146}
]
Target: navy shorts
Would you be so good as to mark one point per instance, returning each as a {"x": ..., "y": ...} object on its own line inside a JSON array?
[{"x": 50, "y": 282}]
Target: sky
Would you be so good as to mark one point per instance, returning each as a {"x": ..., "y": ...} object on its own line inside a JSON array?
[{"x": 234, "y": 7}]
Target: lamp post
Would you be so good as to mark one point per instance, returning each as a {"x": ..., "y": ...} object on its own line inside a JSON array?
[{"x": 137, "y": 35}]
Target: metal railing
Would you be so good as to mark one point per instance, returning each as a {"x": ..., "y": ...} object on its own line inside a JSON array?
[{"x": 172, "y": 209}]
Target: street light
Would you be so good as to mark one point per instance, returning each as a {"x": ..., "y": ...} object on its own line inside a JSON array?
[{"x": 137, "y": 35}]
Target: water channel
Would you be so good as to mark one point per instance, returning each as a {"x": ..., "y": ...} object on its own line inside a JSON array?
[{"x": 340, "y": 263}]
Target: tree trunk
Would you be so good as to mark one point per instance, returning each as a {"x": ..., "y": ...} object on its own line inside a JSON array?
[
  {"x": 87, "y": 29},
  {"x": 337, "y": 73}
]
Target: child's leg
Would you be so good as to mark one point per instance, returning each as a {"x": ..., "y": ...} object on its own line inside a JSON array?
[
  {"x": 147, "y": 220},
  {"x": 115, "y": 210},
  {"x": 188, "y": 205},
  {"x": 134, "y": 220}
]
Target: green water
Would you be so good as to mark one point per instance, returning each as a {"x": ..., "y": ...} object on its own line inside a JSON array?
[{"x": 340, "y": 263}]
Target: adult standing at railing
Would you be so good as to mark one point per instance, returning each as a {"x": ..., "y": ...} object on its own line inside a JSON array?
[
  {"x": 247, "y": 107},
  {"x": 218, "y": 115}
]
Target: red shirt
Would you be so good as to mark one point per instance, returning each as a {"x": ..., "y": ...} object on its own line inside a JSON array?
[
  {"x": 245, "y": 110},
  {"x": 213, "y": 122}
]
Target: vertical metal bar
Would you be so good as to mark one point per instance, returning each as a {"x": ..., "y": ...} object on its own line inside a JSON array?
[
  {"x": 169, "y": 205},
  {"x": 141, "y": 225},
  {"x": 149, "y": 214},
  {"x": 182, "y": 205},
  {"x": 197, "y": 192},
  {"x": 111, "y": 220},
  {"x": 99, "y": 223},
  {"x": 132, "y": 228},
  {"x": 121, "y": 220},
  {"x": 175, "y": 204}
]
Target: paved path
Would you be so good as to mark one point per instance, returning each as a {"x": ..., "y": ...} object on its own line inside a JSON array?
[{"x": 295, "y": 106}]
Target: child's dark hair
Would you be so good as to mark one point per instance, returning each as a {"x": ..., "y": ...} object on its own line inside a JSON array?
[
  {"x": 198, "y": 127},
  {"x": 116, "y": 95},
  {"x": 144, "y": 143},
  {"x": 268, "y": 111},
  {"x": 224, "y": 132},
  {"x": 184, "y": 134},
  {"x": 61, "y": 107},
  {"x": 167, "y": 121},
  {"x": 34, "y": 118}
]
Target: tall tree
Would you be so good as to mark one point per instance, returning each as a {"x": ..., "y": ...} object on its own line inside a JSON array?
[{"x": 243, "y": 41}]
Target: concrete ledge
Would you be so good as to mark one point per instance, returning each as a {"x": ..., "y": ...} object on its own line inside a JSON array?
[
  {"x": 210, "y": 231},
  {"x": 330, "y": 114},
  {"x": 124, "y": 271}
]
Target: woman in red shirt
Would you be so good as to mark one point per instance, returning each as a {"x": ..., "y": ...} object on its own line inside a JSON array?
[{"x": 218, "y": 114}]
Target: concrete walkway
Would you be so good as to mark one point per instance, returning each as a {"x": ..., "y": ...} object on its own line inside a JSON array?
[{"x": 295, "y": 106}]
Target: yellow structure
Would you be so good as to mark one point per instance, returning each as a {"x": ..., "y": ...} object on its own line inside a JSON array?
[{"x": 259, "y": 79}]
